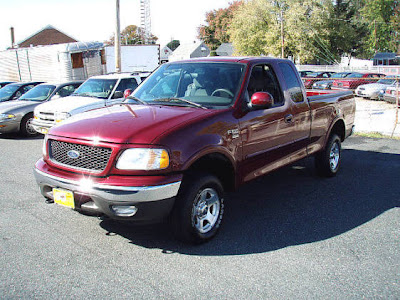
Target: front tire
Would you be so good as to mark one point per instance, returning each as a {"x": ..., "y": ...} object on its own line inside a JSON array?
[
  {"x": 26, "y": 128},
  {"x": 327, "y": 162},
  {"x": 199, "y": 208}
]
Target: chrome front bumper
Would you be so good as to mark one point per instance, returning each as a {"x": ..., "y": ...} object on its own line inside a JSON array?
[
  {"x": 42, "y": 126},
  {"x": 153, "y": 202}
]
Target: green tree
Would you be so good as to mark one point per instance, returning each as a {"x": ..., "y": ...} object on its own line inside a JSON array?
[
  {"x": 132, "y": 35},
  {"x": 395, "y": 22},
  {"x": 218, "y": 22},
  {"x": 173, "y": 44},
  {"x": 380, "y": 17},
  {"x": 345, "y": 28},
  {"x": 256, "y": 29}
]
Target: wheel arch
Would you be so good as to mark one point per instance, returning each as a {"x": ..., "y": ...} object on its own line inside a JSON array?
[
  {"x": 217, "y": 163},
  {"x": 338, "y": 127}
]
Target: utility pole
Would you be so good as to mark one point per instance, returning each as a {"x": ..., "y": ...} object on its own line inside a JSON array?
[
  {"x": 117, "y": 41},
  {"x": 376, "y": 48},
  {"x": 282, "y": 36}
]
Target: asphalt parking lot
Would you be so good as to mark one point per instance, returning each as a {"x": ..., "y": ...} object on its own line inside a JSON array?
[{"x": 289, "y": 235}]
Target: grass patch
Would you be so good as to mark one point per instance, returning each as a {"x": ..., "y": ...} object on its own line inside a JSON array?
[{"x": 376, "y": 135}]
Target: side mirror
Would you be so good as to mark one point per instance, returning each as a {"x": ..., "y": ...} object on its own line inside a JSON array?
[
  {"x": 118, "y": 94},
  {"x": 261, "y": 100},
  {"x": 127, "y": 92}
]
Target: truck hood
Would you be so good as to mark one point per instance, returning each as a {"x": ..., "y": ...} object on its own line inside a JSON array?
[
  {"x": 9, "y": 106},
  {"x": 69, "y": 104},
  {"x": 125, "y": 123}
]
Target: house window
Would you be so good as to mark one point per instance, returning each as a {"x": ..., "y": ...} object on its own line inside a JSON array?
[
  {"x": 103, "y": 57},
  {"x": 77, "y": 60}
]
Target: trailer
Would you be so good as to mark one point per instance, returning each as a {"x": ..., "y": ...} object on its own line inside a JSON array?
[
  {"x": 134, "y": 58},
  {"x": 61, "y": 62}
]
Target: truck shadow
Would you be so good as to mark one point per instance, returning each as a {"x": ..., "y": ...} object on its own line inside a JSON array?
[{"x": 289, "y": 207}]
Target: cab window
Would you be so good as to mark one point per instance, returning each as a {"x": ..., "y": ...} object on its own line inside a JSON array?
[
  {"x": 263, "y": 79},
  {"x": 293, "y": 84}
]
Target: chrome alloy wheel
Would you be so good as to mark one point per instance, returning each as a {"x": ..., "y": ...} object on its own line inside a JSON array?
[
  {"x": 206, "y": 210},
  {"x": 29, "y": 127},
  {"x": 334, "y": 156}
]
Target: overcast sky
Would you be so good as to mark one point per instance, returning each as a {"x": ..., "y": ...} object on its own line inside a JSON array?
[{"x": 94, "y": 20}]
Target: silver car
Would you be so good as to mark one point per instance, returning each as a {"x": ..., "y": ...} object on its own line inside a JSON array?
[
  {"x": 374, "y": 90},
  {"x": 16, "y": 115}
]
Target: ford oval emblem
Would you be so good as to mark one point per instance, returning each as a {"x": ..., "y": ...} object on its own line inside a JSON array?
[{"x": 73, "y": 154}]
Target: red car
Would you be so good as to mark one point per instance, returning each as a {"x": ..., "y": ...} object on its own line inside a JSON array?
[
  {"x": 354, "y": 80},
  {"x": 309, "y": 79}
]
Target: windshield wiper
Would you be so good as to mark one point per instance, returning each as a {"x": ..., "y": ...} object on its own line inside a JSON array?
[
  {"x": 84, "y": 95},
  {"x": 172, "y": 99},
  {"x": 135, "y": 99}
]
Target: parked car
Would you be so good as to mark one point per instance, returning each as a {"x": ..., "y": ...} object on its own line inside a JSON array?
[
  {"x": 327, "y": 84},
  {"x": 191, "y": 131},
  {"x": 391, "y": 95},
  {"x": 13, "y": 91},
  {"x": 96, "y": 92},
  {"x": 372, "y": 90},
  {"x": 4, "y": 83},
  {"x": 355, "y": 79},
  {"x": 305, "y": 73},
  {"x": 314, "y": 77},
  {"x": 17, "y": 115}
]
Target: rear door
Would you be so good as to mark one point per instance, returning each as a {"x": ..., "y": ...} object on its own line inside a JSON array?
[{"x": 300, "y": 113}]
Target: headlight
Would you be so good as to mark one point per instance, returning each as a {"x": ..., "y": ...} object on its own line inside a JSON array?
[
  {"x": 143, "y": 159},
  {"x": 7, "y": 116},
  {"x": 44, "y": 147},
  {"x": 61, "y": 116}
]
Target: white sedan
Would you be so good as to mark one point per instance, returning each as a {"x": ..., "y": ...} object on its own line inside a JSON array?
[{"x": 372, "y": 90}]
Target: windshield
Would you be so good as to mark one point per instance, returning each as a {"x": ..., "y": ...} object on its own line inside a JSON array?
[
  {"x": 7, "y": 91},
  {"x": 98, "y": 88},
  {"x": 339, "y": 75},
  {"x": 355, "y": 75},
  {"x": 208, "y": 84},
  {"x": 314, "y": 74},
  {"x": 386, "y": 81},
  {"x": 38, "y": 93}
]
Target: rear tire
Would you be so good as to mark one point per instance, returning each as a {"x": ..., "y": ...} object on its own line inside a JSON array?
[
  {"x": 26, "y": 128},
  {"x": 198, "y": 209},
  {"x": 327, "y": 162}
]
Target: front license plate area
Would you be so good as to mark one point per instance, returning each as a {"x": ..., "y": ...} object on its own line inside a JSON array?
[{"x": 64, "y": 197}]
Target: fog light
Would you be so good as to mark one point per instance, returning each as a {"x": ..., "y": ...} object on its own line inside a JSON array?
[{"x": 124, "y": 210}]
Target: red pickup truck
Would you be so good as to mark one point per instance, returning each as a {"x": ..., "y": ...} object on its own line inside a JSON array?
[{"x": 189, "y": 132}]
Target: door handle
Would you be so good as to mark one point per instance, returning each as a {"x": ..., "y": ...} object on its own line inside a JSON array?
[{"x": 289, "y": 118}]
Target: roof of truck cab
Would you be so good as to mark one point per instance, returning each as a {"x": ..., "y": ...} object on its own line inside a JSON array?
[
  {"x": 114, "y": 76},
  {"x": 244, "y": 59}
]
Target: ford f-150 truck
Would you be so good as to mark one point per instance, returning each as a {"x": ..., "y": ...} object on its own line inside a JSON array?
[{"x": 189, "y": 132}]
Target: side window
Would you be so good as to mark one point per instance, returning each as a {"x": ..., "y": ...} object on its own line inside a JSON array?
[
  {"x": 124, "y": 84},
  {"x": 127, "y": 83},
  {"x": 292, "y": 83},
  {"x": 27, "y": 88},
  {"x": 263, "y": 79},
  {"x": 66, "y": 90}
]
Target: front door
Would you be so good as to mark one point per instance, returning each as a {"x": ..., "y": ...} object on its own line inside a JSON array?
[{"x": 267, "y": 133}]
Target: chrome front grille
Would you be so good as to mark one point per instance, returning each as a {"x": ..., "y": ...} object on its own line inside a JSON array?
[
  {"x": 46, "y": 116},
  {"x": 91, "y": 158}
]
